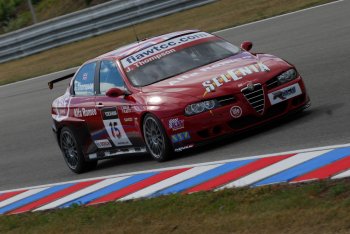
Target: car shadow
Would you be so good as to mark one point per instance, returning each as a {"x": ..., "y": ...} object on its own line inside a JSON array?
[{"x": 123, "y": 160}]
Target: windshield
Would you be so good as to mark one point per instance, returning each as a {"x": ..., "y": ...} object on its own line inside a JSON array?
[{"x": 175, "y": 57}]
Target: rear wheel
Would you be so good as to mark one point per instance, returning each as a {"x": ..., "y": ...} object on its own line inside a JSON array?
[
  {"x": 72, "y": 152},
  {"x": 156, "y": 139}
]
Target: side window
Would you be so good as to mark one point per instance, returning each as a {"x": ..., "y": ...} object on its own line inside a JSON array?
[
  {"x": 110, "y": 76},
  {"x": 84, "y": 80}
]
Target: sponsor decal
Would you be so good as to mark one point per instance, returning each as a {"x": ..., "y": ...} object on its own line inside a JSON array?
[
  {"x": 61, "y": 106},
  {"x": 126, "y": 109},
  {"x": 184, "y": 148},
  {"x": 284, "y": 94},
  {"x": 219, "y": 64},
  {"x": 176, "y": 124},
  {"x": 114, "y": 127},
  {"x": 160, "y": 50},
  {"x": 233, "y": 75},
  {"x": 128, "y": 119},
  {"x": 85, "y": 76},
  {"x": 103, "y": 144},
  {"x": 236, "y": 112},
  {"x": 82, "y": 112},
  {"x": 150, "y": 59},
  {"x": 180, "y": 137},
  {"x": 83, "y": 87}
]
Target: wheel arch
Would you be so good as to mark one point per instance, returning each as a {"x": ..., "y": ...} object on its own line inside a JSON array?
[
  {"x": 142, "y": 119},
  {"x": 80, "y": 129}
]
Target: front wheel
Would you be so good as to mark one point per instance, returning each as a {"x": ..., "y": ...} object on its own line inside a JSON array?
[
  {"x": 156, "y": 139},
  {"x": 73, "y": 154}
]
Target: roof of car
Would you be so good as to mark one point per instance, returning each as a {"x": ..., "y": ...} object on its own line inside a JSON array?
[{"x": 137, "y": 46}]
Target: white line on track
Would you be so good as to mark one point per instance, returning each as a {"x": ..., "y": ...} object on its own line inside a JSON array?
[
  {"x": 342, "y": 175},
  {"x": 183, "y": 166},
  {"x": 273, "y": 169},
  {"x": 223, "y": 30}
]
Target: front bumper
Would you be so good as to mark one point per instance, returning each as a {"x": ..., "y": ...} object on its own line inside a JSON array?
[{"x": 220, "y": 121}]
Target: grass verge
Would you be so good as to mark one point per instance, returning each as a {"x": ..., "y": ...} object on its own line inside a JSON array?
[
  {"x": 318, "y": 207},
  {"x": 211, "y": 17}
]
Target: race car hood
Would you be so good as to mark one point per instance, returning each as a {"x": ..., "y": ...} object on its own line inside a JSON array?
[{"x": 223, "y": 77}]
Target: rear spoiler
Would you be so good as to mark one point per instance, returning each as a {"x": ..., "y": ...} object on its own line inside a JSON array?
[{"x": 50, "y": 84}]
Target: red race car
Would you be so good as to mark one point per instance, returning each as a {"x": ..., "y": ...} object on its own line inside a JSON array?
[{"x": 170, "y": 93}]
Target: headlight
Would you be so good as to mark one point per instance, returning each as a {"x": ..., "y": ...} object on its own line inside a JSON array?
[
  {"x": 210, "y": 104},
  {"x": 287, "y": 76},
  {"x": 200, "y": 107}
]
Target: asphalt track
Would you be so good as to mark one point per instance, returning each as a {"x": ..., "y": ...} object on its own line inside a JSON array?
[{"x": 317, "y": 41}]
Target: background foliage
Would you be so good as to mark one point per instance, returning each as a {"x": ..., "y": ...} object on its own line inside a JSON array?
[{"x": 15, "y": 14}]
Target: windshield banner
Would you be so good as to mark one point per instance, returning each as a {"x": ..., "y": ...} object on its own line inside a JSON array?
[{"x": 160, "y": 50}]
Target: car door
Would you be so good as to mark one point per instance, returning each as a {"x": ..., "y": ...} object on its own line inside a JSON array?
[
  {"x": 118, "y": 117},
  {"x": 82, "y": 108}
]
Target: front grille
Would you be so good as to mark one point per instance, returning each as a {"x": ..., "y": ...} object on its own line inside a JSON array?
[
  {"x": 256, "y": 97},
  {"x": 272, "y": 83},
  {"x": 226, "y": 100}
]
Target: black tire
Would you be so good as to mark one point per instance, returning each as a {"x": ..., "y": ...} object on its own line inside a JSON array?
[
  {"x": 157, "y": 142},
  {"x": 73, "y": 154}
]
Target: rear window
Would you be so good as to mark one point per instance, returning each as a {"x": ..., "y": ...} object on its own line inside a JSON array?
[
  {"x": 174, "y": 57},
  {"x": 84, "y": 80}
]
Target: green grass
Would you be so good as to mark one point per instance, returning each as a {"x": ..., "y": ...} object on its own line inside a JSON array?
[
  {"x": 318, "y": 207},
  {"x": 211, "y": 17}
]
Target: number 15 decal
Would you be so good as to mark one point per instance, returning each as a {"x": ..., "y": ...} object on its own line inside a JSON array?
[
  {"x": 114, "y": 127},
  {"x": 115, "y": 130}
]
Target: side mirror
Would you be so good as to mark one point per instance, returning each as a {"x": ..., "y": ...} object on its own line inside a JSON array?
[
  {"x": 247, "y": 45},
  {"x": 115, "y": 92}
]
